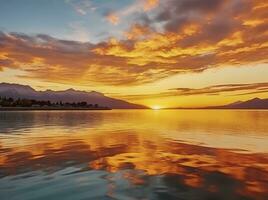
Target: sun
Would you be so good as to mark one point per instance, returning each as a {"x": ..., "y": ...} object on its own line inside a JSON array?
[{"x": 156, "y": 107}]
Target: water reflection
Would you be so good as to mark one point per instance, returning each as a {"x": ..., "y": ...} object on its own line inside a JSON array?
[
  {"x": 11, "y": 122},
  {"x": 126, "y": 162}
]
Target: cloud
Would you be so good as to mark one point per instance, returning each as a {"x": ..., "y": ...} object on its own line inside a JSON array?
[
  {"x": 79, "y": 31},
  {"x": 150, "y": 4},
  {"x": 112, "y": 18},
  {"x": 82, "y": 7},
  {"x": 232, "y": 89},
  {"x": 137, "y": 8},
  {"x": 217, "y": 89},
  {"x": 184, "y": 37},
  {"x": 4, "y": 63},
  {"x": 138, "y": 31},
  {"x": 46, "y": 58}
]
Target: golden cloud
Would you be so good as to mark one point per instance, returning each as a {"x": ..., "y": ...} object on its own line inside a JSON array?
[
  {"x": 138, "y": 31},
  {"x": 232, "y": 89},
  {"x": 194, "y": 36}
]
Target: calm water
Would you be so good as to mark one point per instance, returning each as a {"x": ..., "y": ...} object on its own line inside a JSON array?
[{"x": 146, "y": 154}]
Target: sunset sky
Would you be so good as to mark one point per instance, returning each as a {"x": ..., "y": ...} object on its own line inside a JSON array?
[{"x": 166, "y": 53}]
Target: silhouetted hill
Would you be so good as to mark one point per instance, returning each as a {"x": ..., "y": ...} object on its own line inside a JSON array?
[
  {"x": 255, "y": 103},
  {"x": 70, "y": 95}
]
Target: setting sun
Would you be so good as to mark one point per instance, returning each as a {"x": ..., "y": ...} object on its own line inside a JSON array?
[{"x": 156, "y": 107}]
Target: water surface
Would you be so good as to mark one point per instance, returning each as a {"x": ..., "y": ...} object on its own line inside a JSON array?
[{"x": 134, "y": 154}]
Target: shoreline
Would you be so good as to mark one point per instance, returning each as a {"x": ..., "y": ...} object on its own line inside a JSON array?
[{"x": 48, "y": 108}]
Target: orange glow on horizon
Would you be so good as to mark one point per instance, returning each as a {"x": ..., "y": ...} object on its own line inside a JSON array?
[{"x": 156, "y": 107}]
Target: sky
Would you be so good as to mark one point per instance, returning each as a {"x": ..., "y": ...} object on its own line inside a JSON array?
[{"x": 160, "y": 53}]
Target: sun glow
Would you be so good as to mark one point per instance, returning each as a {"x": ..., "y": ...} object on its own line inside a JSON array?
[{"x": 156, "y": 107}]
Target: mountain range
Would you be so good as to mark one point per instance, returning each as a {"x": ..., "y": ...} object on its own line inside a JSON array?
[
  {"x": 255, "y": 103},
  {"x": 24, "y": 91}
]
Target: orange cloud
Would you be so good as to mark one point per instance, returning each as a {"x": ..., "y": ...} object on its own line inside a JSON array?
[
  {"x": 193, "y": 37},
  {"x": 138, "y": 31},
  {"x": 138, "y": 7},
  {"x": 150, "y": 4},
  {"x": 231, "y": 89},
  {"x": 113, "y": 18},
  {"x": 217, "y": 89}
]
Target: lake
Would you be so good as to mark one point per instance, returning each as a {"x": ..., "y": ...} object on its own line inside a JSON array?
[{"x": 134, "y": 154}]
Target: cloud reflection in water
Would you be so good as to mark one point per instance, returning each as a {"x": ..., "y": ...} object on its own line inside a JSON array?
[{"x": 128, "y": 164}]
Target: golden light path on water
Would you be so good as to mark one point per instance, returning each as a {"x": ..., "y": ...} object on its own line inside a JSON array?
[{"x": 155, "y": 154}]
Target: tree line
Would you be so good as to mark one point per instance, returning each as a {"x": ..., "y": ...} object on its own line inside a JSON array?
[{"x": 10, "y": 102}]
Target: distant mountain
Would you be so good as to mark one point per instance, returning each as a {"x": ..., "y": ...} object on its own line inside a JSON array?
[
  {"x": 255, "y": 103},
  {"x": 70, "y": 95}
]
